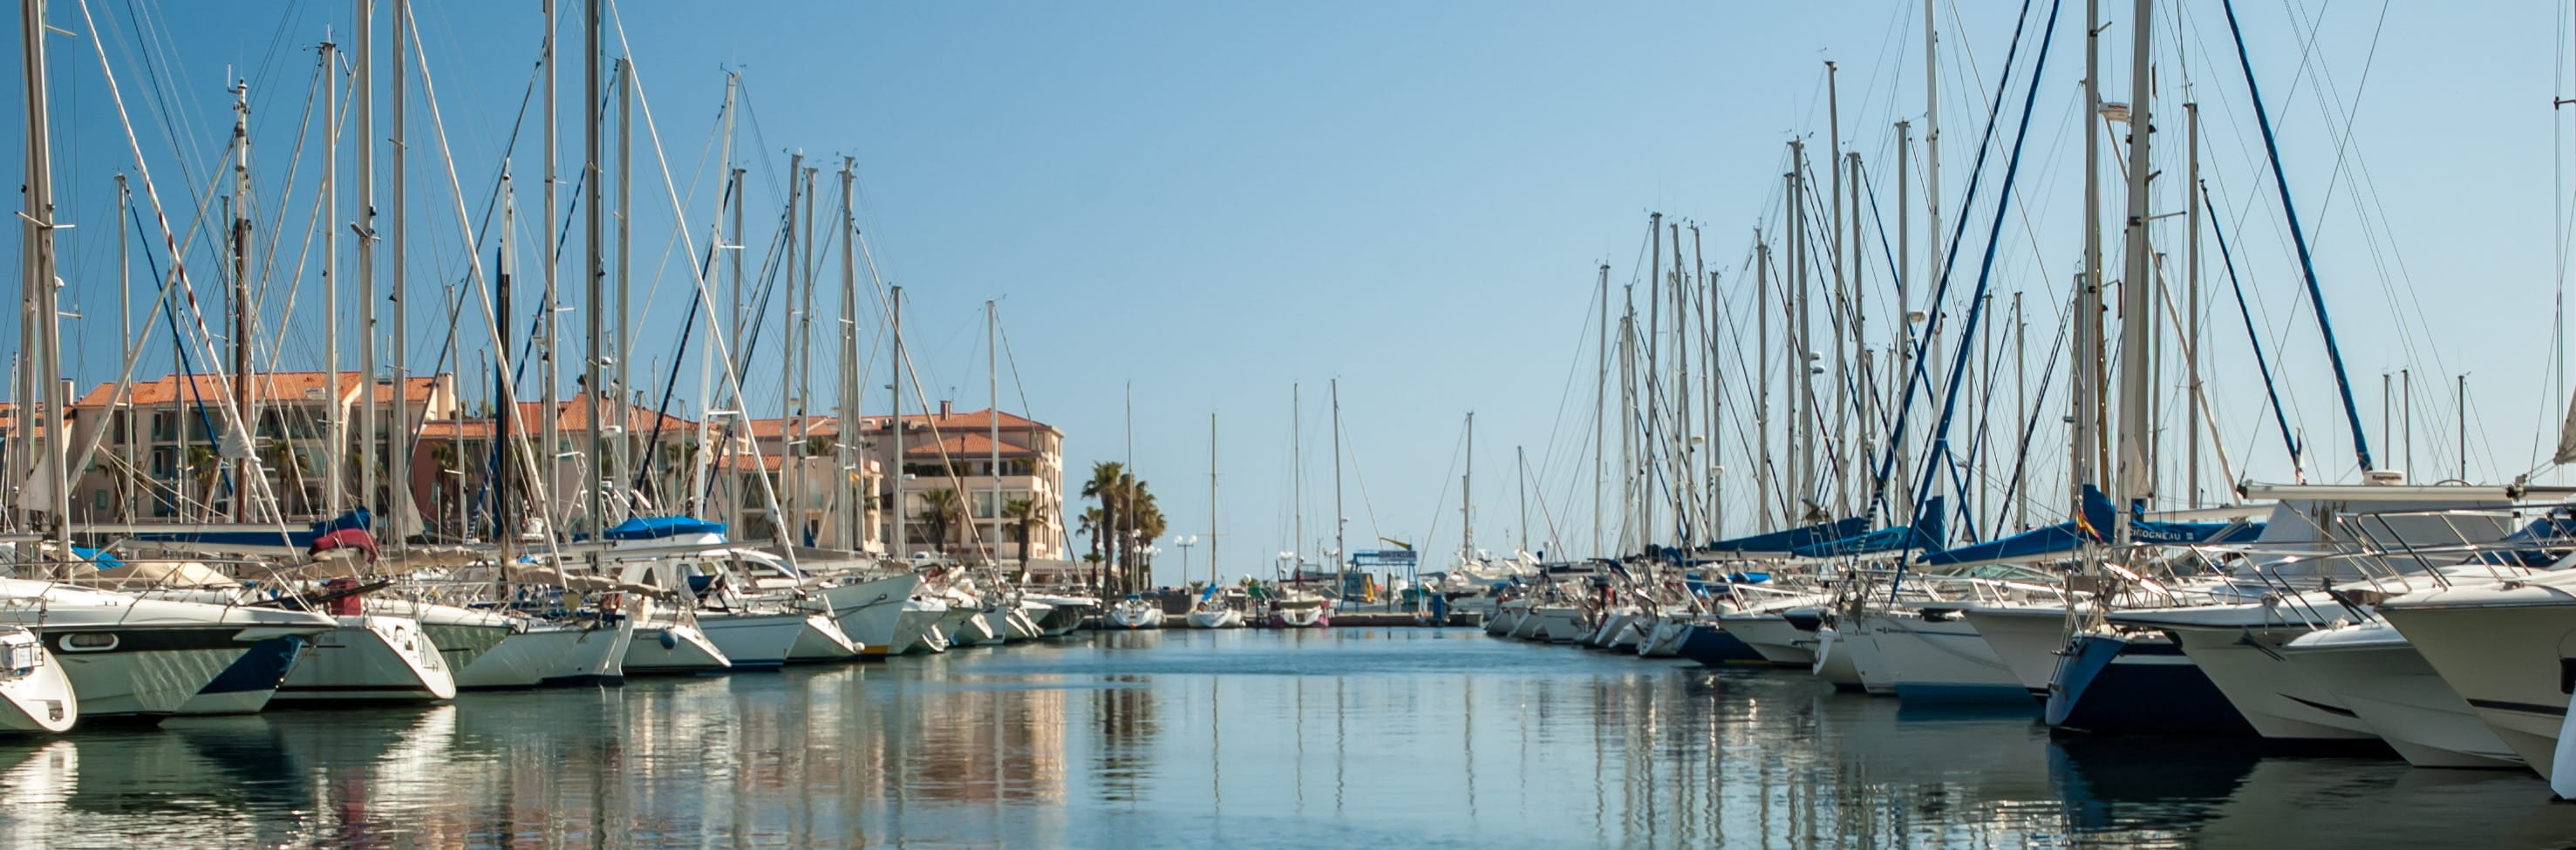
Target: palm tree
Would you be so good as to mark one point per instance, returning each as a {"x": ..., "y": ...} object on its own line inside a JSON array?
[
  {"x": 941, "y": 513},
  {"x": 209, "y": 466},
  {"x": 1092, "y": 523},
  {"x": 1148, "y": 524},
  {"x": 1026, "y": 516}
]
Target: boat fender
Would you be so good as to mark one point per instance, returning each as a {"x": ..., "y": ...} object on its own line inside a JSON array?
[{"x": 669, "y": 640}]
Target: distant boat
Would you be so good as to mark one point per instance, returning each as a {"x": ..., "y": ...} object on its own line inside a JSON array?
[
  {"x": 1298, "y": 609},
  {"x": 1134, "y": 612},
  {"x": 1217, "y": 608}
]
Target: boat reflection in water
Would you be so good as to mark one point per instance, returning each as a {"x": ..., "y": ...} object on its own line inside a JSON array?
[{"x": 1235, "y": 738}]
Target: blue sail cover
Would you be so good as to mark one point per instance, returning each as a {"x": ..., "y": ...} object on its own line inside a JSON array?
[
  {"x": 2098, "y": 515},
  {"x": 2532, "y": 551},
  {"x": 659, "y": 527},
  {"x": 1926, "y": 534},
  {"x": 1784, "y": 542}
]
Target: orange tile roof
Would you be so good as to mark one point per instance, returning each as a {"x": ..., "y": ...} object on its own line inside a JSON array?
[
  {"x": 266, "y": 387},
  {"x": 966, "y": 446}
]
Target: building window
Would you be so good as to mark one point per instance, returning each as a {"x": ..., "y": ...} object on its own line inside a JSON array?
[{"x": 98, "y": 500}]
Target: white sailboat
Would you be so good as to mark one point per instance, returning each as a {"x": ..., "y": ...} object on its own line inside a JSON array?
[{"x": 1134, "y": 612}]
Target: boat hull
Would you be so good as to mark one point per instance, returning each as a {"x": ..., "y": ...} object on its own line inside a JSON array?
[
  {"x": 251, "y": 681},
  {"x": 2112, "y": 684},
  {"x": 35, "y": 694},
  {"x": 673, "y": 649},
  {"x": 1942, "y": 660},
  {"x": 1772, "y": 636},
  {"x": 369, "y": 659},
  {"x": 2391, "y": 686},
  {"x": 2506, "y": 663},
  {"x": 754, "y": 641}
]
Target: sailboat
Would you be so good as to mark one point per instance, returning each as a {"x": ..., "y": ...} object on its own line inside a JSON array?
[
  {"x": 1135, "y": 612},
  {"x": 1213, "y": 609}
]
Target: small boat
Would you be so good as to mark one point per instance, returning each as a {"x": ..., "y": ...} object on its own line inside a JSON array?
[
  {"x": 1134, "y": 612},
  {"x": 1298, "y": 609},
  {"x": 1063, "y": 615},
  {"x": 35, "y": 696},
  {"x": 1217, "y": 609}
]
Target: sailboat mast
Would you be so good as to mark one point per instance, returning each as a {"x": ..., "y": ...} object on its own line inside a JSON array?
[
  {"x": 505, "y": 436},
  {"x": 38, "y": 235},
  {"x": 334, "y": 434},
  {"x": 993, "y": 413},
  {"x": 789, "y": 406},
  {"x": 2137, "y": 290},
  {"x": 621, "y": 390},
  {"x": 2088, "y": 291},
  {"x": 1212, "y": 577},
  {"x": 1296, "y": 483},
  {"x": 1520, "y": 462},
  {"x": 1467, "y": 496},
  {"x": 1600, "y": 392},
  {"x": 2191, "y": 273},
  {"x": 125, "y": 320},
  {"x": 849, "y": 459},
  {"x": 362, "y": 93},
  {"x": 894, "y": 426},
  {"x": 1341, "y": 557},
  {"x": 242, "y": 468},
  {"x": 548, "y": 349},
  {"x": 1762, "y": 371},
  {"x": 398, "y": 451},
  {"x": 594, "y": 273}
]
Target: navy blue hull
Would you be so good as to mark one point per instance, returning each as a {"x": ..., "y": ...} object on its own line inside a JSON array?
[
  {"x": 260, "y": 669},
  {"x": 1712, "y": 646},
  {"x": 2110, "y": 686}
]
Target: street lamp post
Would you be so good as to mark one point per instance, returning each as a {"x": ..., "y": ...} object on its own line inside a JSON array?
[{"x": 1185, "y": 541}]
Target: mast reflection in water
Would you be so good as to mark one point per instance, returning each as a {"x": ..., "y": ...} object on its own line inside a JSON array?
[{"x": 1234, "y": 739}]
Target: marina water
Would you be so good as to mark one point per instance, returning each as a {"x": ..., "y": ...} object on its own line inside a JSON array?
[{"x": 1234, "y": 739}]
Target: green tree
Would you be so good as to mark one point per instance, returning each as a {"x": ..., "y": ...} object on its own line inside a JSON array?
[
  {"x": 1026, "y": 517},
  {"x": 942, "y": 512}
]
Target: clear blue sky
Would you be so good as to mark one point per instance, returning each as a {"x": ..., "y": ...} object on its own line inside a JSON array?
[{"x": 1213, "y": 202}]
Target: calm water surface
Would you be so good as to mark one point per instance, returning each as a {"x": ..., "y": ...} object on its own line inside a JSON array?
[{"x": 1244, "y": 739}]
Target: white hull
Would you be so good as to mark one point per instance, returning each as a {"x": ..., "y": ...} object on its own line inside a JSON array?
[
  {"x": 1506, "y": 619},
  {"x": 370, "y": 659},
  {"x": 1554, "y": 624},
  {"x": 2280, "y": 700},
  {"x": 554, "y": 656},
  {"x": 2028, "y": 640},
  {"x": 1941, "y": 660},
  {"x": 1665, "y": 641},
  {"x": 821, "y": 640},
  {"x": 1133, "y": 614},
  {"x": 2382, "y": 678},
  {"x": 870, "y": 613},
  {"x": 1774, "y": 637},
  {"x": 35, "y": 695},
  {"x": 955, "y": 625},
  {"x": 2504, "y": 661},
  {"x": 1834, "y": 661},
  {"x": 672, "y": 648},
  {"x": 1856, "y": 646},
  {"x": 754, "y": 641},
  {"x": 1215, "y": 618},
  {"x": 912, "y": 629}
]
